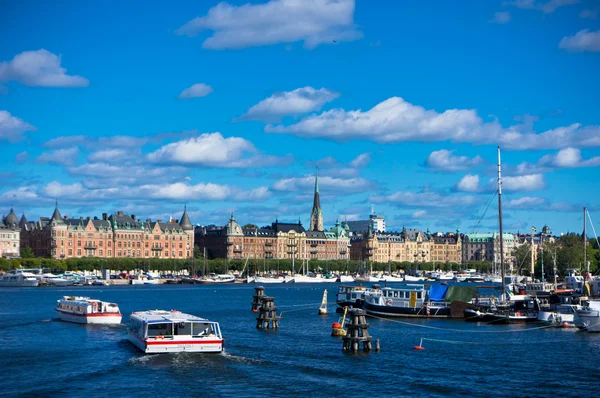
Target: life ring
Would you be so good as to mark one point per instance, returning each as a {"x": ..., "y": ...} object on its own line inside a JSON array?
[
  {"x": 389, "y": 302},
  {"x": 518, "y": 313},
  {"x": 161, "y": 337}
]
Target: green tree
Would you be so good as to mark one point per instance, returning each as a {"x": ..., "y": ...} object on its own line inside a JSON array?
[{"x": 26, "y": 252}]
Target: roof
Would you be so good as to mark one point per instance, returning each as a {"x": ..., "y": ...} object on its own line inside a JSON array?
[
  {"x": 185, "y": 222},
  {"x": 287, "y": 227},
  {"x": 359, "y": 226},
  {"x": 162, "y": 316},
  {"x": 11, "y": 220}
]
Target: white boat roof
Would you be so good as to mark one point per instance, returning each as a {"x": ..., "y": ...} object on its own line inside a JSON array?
[
  {"x": 83, "y": 299},
  {"x": 163, "y": 316}
]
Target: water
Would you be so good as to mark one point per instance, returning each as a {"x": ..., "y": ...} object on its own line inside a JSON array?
[{"x": 43, "y": 356}]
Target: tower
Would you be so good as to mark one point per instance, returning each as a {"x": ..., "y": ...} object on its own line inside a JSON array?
[{"x": 316, "y": 216}]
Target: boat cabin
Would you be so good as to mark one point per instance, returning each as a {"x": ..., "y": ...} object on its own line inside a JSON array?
[{"x": 172, "y": 325}]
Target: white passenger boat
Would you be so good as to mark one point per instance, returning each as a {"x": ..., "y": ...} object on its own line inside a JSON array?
[
  {"x": 588, "y": 317},
  {"x": 159, "y": 331},
  {"x": 18, "y": 279},
  {"x": 86, "y": 310}
]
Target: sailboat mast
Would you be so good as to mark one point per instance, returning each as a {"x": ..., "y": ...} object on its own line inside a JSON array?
[
  {"x": 500, "y": 223},
  {"x": 585, "y": 264}
]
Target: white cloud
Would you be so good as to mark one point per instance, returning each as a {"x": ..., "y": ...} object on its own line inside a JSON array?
[
  {"x": 110, "y": 155},
  {"x": 173, "y": 191},
  {"x": 12, "y": 128},
  {"x": 62, "y": 157},
  {"x": 213, "y": 150},
  {"x": 396, "y": 120},
  {"x": 547, "y": 7},
  {"x": 584, "y": 40},
  {"x": 289, "y": 103},
  {"x": 501, "y": 17},
  {"x": 469, "y": 183},
  {"x": 524, "y": 183},
  {"x": 326, "y": 184},
  {"x": 420, "y": 214},
  {"x": 443, "y": 160},
  {"x": 361, "y": 161},
  {"x": 196, "y": 90},
  {"x": 427, "y": 199},
  {"x": 565, "y": 158},
  {"x": 67, "y": 140},
  {"x": 277, "y": 21},
  {"x": 25, "y": 195},
  {"x": 39, "y": 68},
  {"x": 21, "y": 157},
  {"x": 526, "y": 202}
]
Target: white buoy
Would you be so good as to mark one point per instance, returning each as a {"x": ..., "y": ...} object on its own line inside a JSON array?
[{"x": 323, "y": 307}]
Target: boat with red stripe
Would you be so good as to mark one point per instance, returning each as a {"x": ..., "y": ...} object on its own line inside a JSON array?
[
  {"x": 161, "y": 331},
  {"x": 86, "y": 310}
]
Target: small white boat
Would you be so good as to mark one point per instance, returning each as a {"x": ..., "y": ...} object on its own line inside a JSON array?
[
  {"x": 159, "y": 331},
  {"x": 222, "y": 278},
  {"x": 346, "y": 278},
  {"x": 269, "y": 279},
  {"x": 588, "y": 317},
  {"x": 313, "y": 279},
  {"x": 54, "y": 280},
  {"x": 89, "y": 311},
  {"x": 18, "y": 279}
]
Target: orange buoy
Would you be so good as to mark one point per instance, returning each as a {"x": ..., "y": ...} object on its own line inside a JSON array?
[
  {"x": 336, "y": 325},
  {"x": 419, "y": 348},
  {"x": 254, "y": 310},
  {"x": 565, "y": 325}
]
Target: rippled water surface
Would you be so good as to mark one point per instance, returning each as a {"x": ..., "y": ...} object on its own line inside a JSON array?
[{"x": 41, "y": 355}]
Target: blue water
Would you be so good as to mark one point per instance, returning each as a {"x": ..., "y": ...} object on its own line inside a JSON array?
[{"x": 44, "y": 356}]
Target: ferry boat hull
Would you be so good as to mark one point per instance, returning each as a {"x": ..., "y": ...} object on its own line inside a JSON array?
[
  {"x": 90, "y": 319},
  {"x": 403, "y": 312},
  {"x": 170, "y": 345}
]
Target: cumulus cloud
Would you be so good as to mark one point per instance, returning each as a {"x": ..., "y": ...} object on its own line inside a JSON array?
[
  {"x": 547, "y": 7},
  {"x": 39, "y": 68},
  {"x": 361, "y": 161},
  {"x": 196, "y": 90},
  {"x": 469, "y": 183},
  {"x": 289, "y": 103},
  {"x": 173, "y": 191},
  {"x": 213, "y": 150},
  {"x": 326, "y": 184},
  {"x": 110, "y": 155},
  {"x": 396, "y": 120},
  {"x": 526, "y": 202},
  {"x": 565, "y": 158},
  {"x": 584, "y": 40},
  {"x": 66, "y": 156},
  {"x": 12, "y": 128},
  {"x": 443, "y": 160},
  {"x": 277, "y": 21},
  {"x": 501, "y": 17},
  {"x": 524, "y": 183},
  {"x": 21, "y": 157}
]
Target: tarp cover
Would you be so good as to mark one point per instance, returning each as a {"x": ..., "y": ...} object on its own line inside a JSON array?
[
  {"x": 437, "y": 292},
  {"x": 461, "y": 293}
]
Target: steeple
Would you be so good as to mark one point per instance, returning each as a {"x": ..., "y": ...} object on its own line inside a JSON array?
[
  {"x": 185, "y": 222},
  {"x": 56, "y": 217},
  {"x": 316, "y": 216}
]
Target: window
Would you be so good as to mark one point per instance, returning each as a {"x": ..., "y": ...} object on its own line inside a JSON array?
[
  {"x": 109, "y": 243},
  {"x": 101, "y": 252},
  {"x": 70, "y": 252},
  {"x": 79, "y": 252},
  {"x": 138, "y": 245},
  {"x": 180, "y": 253},
  {"x": 101, "y": 243},
  {"x": 79, "y": 242},
  {"x": 70, "y": 234},
  {"x": 180, "y": 245},
  {"x": 109, "y": 252}
]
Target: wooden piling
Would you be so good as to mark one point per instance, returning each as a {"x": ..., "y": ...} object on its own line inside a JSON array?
[
  {"x": 267, "y": 317},
  {"x": 358, "y": 331},
  {"x": 259, "y": 293}
]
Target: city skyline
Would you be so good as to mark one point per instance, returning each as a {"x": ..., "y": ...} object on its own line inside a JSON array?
[{"x": 227, "y": 107}]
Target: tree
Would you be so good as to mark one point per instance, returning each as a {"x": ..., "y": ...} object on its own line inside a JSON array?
[{"x": 26, "y": 252}]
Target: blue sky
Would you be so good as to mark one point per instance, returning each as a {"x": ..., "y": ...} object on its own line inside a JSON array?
[{"x": 229, "y": 107}]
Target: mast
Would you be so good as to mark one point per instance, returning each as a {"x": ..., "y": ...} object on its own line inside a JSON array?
[
  {"x": 585, "y": 263},
  {"x": 500, "y": 223}
]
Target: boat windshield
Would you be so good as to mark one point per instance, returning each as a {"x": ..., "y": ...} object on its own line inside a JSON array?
[{"x": 194, "y": 329}]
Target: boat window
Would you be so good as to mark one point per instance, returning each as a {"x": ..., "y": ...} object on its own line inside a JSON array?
[
  {"x": 419, "y": 295},
  {"x": 183, "y": 328},
  {"x": 154, "y": 329},
  {"x": 202, "y": 329},
  {"x": 395, "y": 294}
]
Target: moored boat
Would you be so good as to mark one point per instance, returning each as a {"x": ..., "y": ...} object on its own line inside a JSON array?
[
  {"x": 89, "y": 311},
  {"x": 588, "y": 317},
  {"x": 350, "y": 296},
  {"x": 160, "y": 331},
  {"x": 221, "y": 278},
  {"x": 411, "y": 300},
  {"x": 18, "y": 279}
]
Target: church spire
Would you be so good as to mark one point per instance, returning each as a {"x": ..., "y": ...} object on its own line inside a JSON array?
[{"x": 316, "y": 216}]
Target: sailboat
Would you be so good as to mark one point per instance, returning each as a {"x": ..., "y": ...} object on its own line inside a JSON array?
[{"x": 514, "y": 309}]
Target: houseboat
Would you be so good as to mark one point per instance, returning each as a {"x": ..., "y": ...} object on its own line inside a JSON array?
[
  {"x": 350, "y": 296},
  {"x": 160, "y": 331},
  {"x": 87, "y": 310},
  {"x": 411, "y": 300}
]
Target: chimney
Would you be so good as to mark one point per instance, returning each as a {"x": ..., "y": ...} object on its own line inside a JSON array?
[
  {"x": 133, "y": 217},
  {"x": 148, "y": 220},
  {"x": 104, "y": 216},
  {"x": 158, "y": 220},
  {"x": 95, "y": 217},
  {"x": 120, "y": 213},
  {"x": 66, "y": 217}
]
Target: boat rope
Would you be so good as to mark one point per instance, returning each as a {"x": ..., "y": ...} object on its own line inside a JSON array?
[
  {"x": 485, "y": 211},
  {"x": 466, "y": 342},
  {"x": 460, "y": 330}
]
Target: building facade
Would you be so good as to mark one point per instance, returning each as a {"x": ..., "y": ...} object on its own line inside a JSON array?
[
  {"x": 277, "y": 241},
  {"x": 486, "y": 247},
  {"x": 10, "y": 236},
  {"x": 410, "y": 245},
  {"x": 113, "y": 236}
]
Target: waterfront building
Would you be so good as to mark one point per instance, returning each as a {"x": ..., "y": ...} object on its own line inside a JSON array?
[
  {"x": 277, "y": 241},
  {"x": 359, "y": 227},
  {"x": 486, "y": 247},
  {"x": 113, "y": 236},
  {"x": 10, "y": 236}
]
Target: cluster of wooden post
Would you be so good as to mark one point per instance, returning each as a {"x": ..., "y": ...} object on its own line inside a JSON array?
[
  {"x": 259, "y": 293},
  {"x": 267, "y": 317},
  {"x": 358, "y": 331}
]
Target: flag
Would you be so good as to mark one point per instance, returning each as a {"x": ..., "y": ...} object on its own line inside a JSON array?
[{"x": 533, "y": 229}]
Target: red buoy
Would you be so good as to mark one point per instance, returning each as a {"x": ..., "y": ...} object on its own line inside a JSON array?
[
  {"x": 419, "y": 348},
  {"x": 565, "y": 325},
  {"x": 336, "y": 325}
]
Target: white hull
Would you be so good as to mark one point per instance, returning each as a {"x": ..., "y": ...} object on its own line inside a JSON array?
[
  {"x": 90, "y": 320},
  {"x": 312, "y": 279},
  {"x": 263, "y": 280},
  {"x": 409, "y": 278},
  {"x": 346, "y": 278},
  {"x": 389, "y": 278},
  {"x": 25, "y": 283},
  {"x": 169, "y": 345}
]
